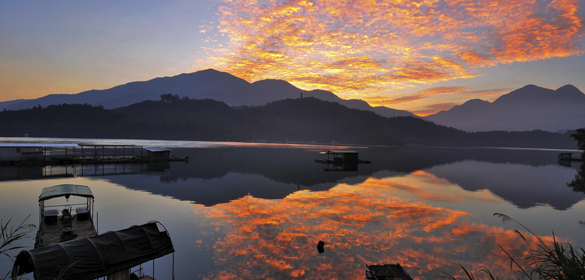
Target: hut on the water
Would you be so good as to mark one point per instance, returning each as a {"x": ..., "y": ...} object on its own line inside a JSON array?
[{"x": 155, "y": 154}]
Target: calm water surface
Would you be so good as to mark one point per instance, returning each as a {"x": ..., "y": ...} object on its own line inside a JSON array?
[{"x": 257, "y": 211}]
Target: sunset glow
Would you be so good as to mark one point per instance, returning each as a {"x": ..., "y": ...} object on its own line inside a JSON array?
[
  {"x": 362, "y": 49},
  {"x": 417, "y": 55}
]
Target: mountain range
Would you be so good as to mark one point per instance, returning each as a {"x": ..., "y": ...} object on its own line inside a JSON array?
[
  {"x": 528, "y": 108},
  {"x": 290, "y": 120},
  {"x": 203, "y": 84}
]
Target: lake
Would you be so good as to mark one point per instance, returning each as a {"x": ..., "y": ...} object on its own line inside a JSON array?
[{"x": 257, "y": 211}]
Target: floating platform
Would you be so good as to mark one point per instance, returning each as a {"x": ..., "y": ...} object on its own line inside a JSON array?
[
  {"x": 569, "y": 157},
  {"x": 70, "y": 153},
  {"x": 386, "y": 272},
  {"x": 331, "y": 161},
  {"x": 342, "y": 160}
]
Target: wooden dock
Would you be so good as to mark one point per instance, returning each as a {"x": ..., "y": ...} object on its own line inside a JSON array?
[{"x": 62, "y": 154}]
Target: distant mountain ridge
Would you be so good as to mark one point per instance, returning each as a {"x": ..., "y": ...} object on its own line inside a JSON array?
[
  {"x": 203, "y": 84},
  {"x": 287, "y": 90},
  {"x": 294, "y": 120},
  {"x": 528, "y": 108}
]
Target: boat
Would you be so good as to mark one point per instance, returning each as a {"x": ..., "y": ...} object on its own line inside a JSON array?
[
  {"x": 386, "y": 272},
  {"x": 59, "y": 222},
  {"x": 112, "y": 254}
]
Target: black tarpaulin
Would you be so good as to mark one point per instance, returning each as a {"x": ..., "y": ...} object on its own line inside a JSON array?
[{"x": 98, "y": 256}]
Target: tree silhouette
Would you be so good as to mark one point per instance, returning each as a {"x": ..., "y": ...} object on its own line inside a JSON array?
[
  {"x": 169, "y": 97},
  {"x": 578, "y": 184},
  {"x": 580, "y": 138}
]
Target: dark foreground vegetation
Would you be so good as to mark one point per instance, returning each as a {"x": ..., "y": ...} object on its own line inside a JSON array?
[
  {"x": 307, "y": 119},
  {"x": 557, "y": 260}
]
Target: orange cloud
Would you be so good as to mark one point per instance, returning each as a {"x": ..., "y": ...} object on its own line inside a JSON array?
[
  {"x": 435, "y": 108},
  {"x": 458, "y": 95},
  {"x": 423, "y": 94},
  {"x": 364, "y": 48}
]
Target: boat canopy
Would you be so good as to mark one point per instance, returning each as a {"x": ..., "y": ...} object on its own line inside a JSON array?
[
  {"x": 97, "y": 256},
  {"x": 65, "y": 190}
]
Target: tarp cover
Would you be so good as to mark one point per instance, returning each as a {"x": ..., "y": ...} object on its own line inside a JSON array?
[
  {"x": 64, "y": 190},
  {"x": 94, "y": 257}
]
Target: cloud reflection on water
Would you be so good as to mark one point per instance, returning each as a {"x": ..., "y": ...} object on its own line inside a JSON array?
[{"x": 366, "y": 223}]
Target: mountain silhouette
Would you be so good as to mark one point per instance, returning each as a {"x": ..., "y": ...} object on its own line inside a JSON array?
[
  {"x": 286, "y": 90},
  {"x": 294, "y": 120},
  {"x": 528, "y": 108},
  {"x": 6, "y": 104},
  {"x": 210, "y": 83},
  {"x": 525, "y": 109}
]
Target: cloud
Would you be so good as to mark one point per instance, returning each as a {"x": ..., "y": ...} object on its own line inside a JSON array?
[
  {"x": 457, "y": 95},
  {"x": 367, "y": 47},
  {"x": 434, "y": 108},
  {"x": 416, "y": 96}
]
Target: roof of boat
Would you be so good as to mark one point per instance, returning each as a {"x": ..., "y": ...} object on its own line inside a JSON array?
[
  {"x": 65, "y": 190},
  {"x": 94, "y": 257}
]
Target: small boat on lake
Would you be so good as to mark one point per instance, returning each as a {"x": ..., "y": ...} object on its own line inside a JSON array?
[
  {"x": 59, "y": 222},
  {"x": 112, "y": 254},
  {"x": 386, "y": 272}
]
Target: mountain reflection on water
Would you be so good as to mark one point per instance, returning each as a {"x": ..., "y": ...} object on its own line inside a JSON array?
[
  {"x": 258, "y": 213},
  {"x": 524, "y": 178}
]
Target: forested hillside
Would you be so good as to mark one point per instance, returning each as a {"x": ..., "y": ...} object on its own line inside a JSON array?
[{"x": 307, "y": 119}]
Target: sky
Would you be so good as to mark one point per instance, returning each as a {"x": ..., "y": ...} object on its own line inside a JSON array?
[{"x": 417, "y": 55}]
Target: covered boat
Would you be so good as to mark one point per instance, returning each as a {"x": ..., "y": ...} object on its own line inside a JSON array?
[
  {"x": 386, "y": 272},
  {"x": 62, "y": 222},
  {"x": 111, "y": 253}
]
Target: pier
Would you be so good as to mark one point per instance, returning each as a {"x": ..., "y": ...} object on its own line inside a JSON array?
[
  {"x": 70, "y": 153},
  {"x": 33, "y": 172}
]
